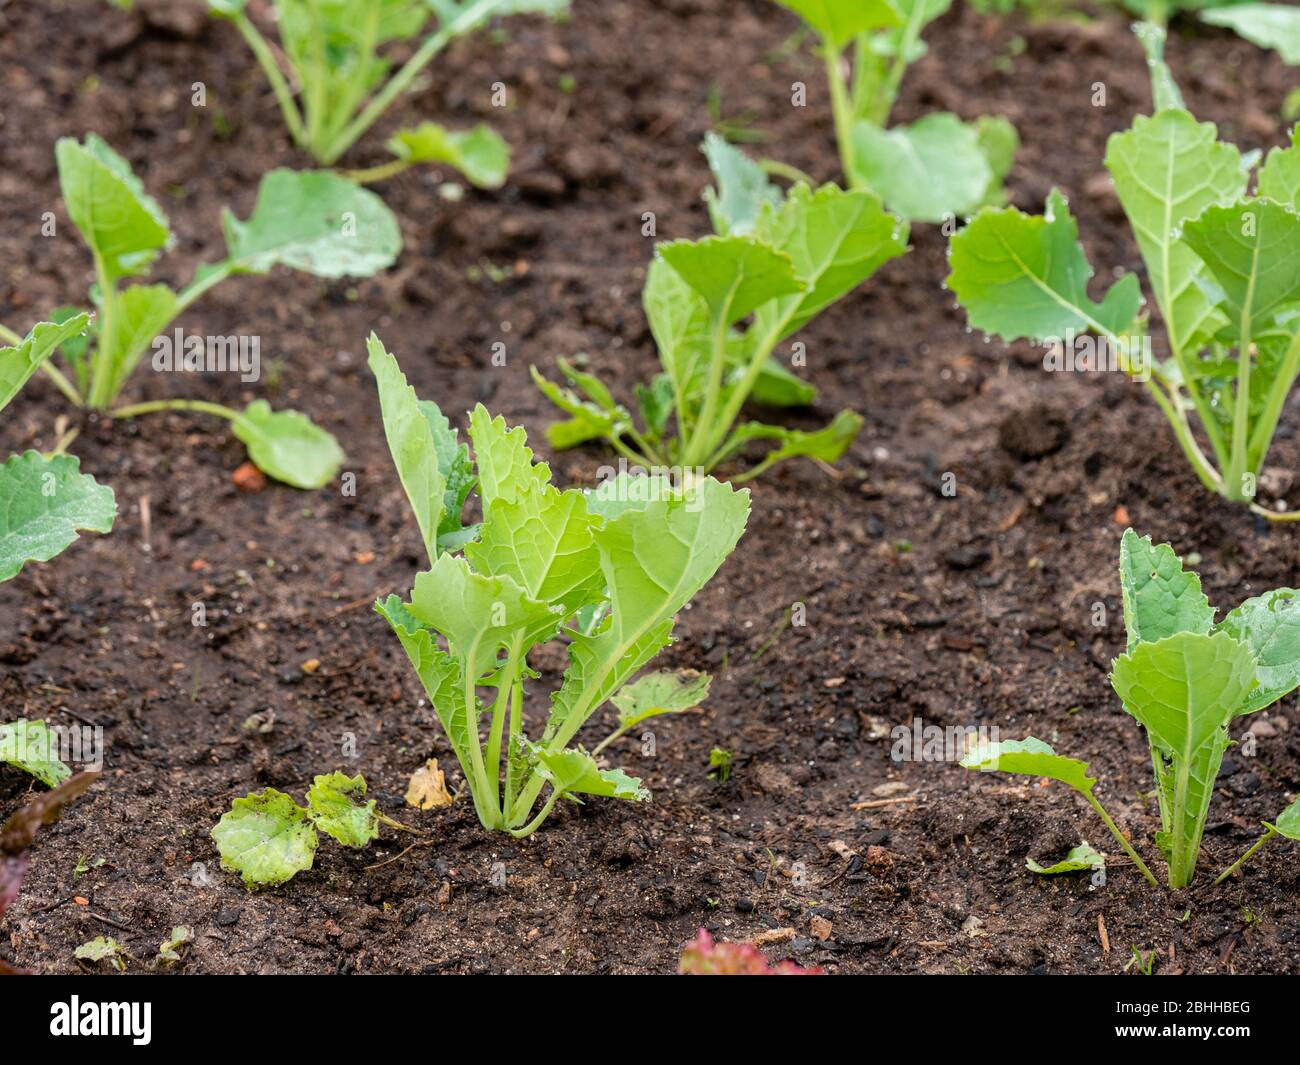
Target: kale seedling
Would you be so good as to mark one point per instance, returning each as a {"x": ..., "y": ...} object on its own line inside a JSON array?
[
  {"x": 1224, "y": 267},
  {"x": 333, "y": 51},
  {"x": 267, "y": 838},
  {"x": 1288, "y": 825},
  {"x": 775, "y": 261},
  {"x": 932, "y": 170},
  {"x": 48, "y": 500},
  {"x": 313, "y": 221},
  {"x": 1184, "y": 678},
  {"x": 18, "y": 833},
  {"x": 607, "y": 569}
]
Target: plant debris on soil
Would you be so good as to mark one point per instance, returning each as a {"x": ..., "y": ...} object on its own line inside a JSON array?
[{"x": 973, "y": 608}]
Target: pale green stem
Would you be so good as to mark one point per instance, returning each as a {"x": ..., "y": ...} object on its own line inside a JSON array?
[
  {"x": 196, "y": 288},
  {"x": 697, "y": 450},
  {"x": 1269, "y": 833},
  {"x": 841, "y": 109},
  {"x": 383, "y": 172},
  {"x": 62, "y": 383},
  {"x": 512, "y": 741},
  {"x": 266, "y": 60},
  {"x": 1267, "y": 424},
  {"x": 9, "y": 336},
  {"x": 535, "y": 823},
  {"x": 101, "y": 364},
  {"x": 157, "y": 406},
  {"x": 1119, "y": 837}
]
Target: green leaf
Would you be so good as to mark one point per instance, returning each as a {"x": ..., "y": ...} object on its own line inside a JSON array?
[
  {"x": 47, "y": 502},
  {"x": 834, "y": 240},
  {"x": 930, "y": 171},
  {"x": 1252, "y": 249},
  {"x": 288, "y": 445},
  {"x": 334, "y": 801},
  {"x": 1279, "y": 177},
  {"x": 588, "y": 420},
  {"x": 775, "y": 386},
  {"x": 505, "y": 462},
  {"x": 838, "y": 21},
  {"x": 479, "y": 153},
  {"x": 314, "y": 221},
  {"x": 734, "y": 275},
  {"x": 679, "y": 322},
  {"x": 542, "y": 540},
  {"x": 1185, "y": 687},
  {"x": 32, "y": 747},
  {"x": 575, "y": 771},
  {"x": 663, "y": 692},
  {"x": 1022, "y": 276},
  {"x": 411, "y": 443},
  {"x": 1030, "y": 757},
  {"x": 169, "y": 952},
  {"x": 124, "y": 227},
  {"x": 440, "y": 674},
  {"x": 656, "y": 401},
  {"x": 1269, "y": 625},
  {"x": 1160, "y": 597},
  {"x": 742, "y": 188},
  {"x": 139, "y": 314},
  {"x": 1288, "y": 821},
  {"x": 1275, "y": 26},
  {"x": 999, "y": 142},
  {"x": 19, "y": 362},
  {"x": 266, "y": 838},
  {"x": 629, "y": 491},
  {"x": 479, "y": 615},
  {"x": 103, "y": 948},
  {"x": 1168, "y": 169},
  {"x": 828, "y": 444},
  {"x": 1083, "y": 858},
  {"x": 655, "y": 560}
]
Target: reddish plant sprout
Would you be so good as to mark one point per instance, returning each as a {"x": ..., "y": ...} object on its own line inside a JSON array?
[{"x": 704, "y": 957}]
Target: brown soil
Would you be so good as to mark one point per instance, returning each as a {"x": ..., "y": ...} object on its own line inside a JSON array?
[{"x": 968, "y": 610}]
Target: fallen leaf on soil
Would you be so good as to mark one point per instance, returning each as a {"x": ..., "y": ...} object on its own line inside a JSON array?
[
  {"x": 973, "y": 927},
  {"x": 842, "y": 849},
  {"x": 1101, "y": 931},
  {"x": 248, "y": 478},
  {"x": 311, "y": 665},
  {"x": 820, "y": 928},
  {"x": 428, "y": 787}
]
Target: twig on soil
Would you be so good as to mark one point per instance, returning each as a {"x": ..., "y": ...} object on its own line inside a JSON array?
[
  {"x": 395, "y": 857},
  {"x": 876, "y": 804},
  {"x": 365, "y": 600},
  {"x": 1101, "y": 932},
  {"x": 109, "y": 921}
]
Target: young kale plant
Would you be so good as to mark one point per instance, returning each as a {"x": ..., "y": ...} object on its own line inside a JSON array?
[
  {"x": 776, "y": 262},
  {"x": 345, "y": 84},
  {"x": 1184, "y": 678},
  {"x": 19, "y": 832},
  {"x": 47, "y": 499},
  {"x": 267, "y": 838},
  {"x": 1223, "y": 264},
  {"x": 606, "y": 569},
  {"x": 933, "y": 170},
  {"x": 311, "y": 221}
]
